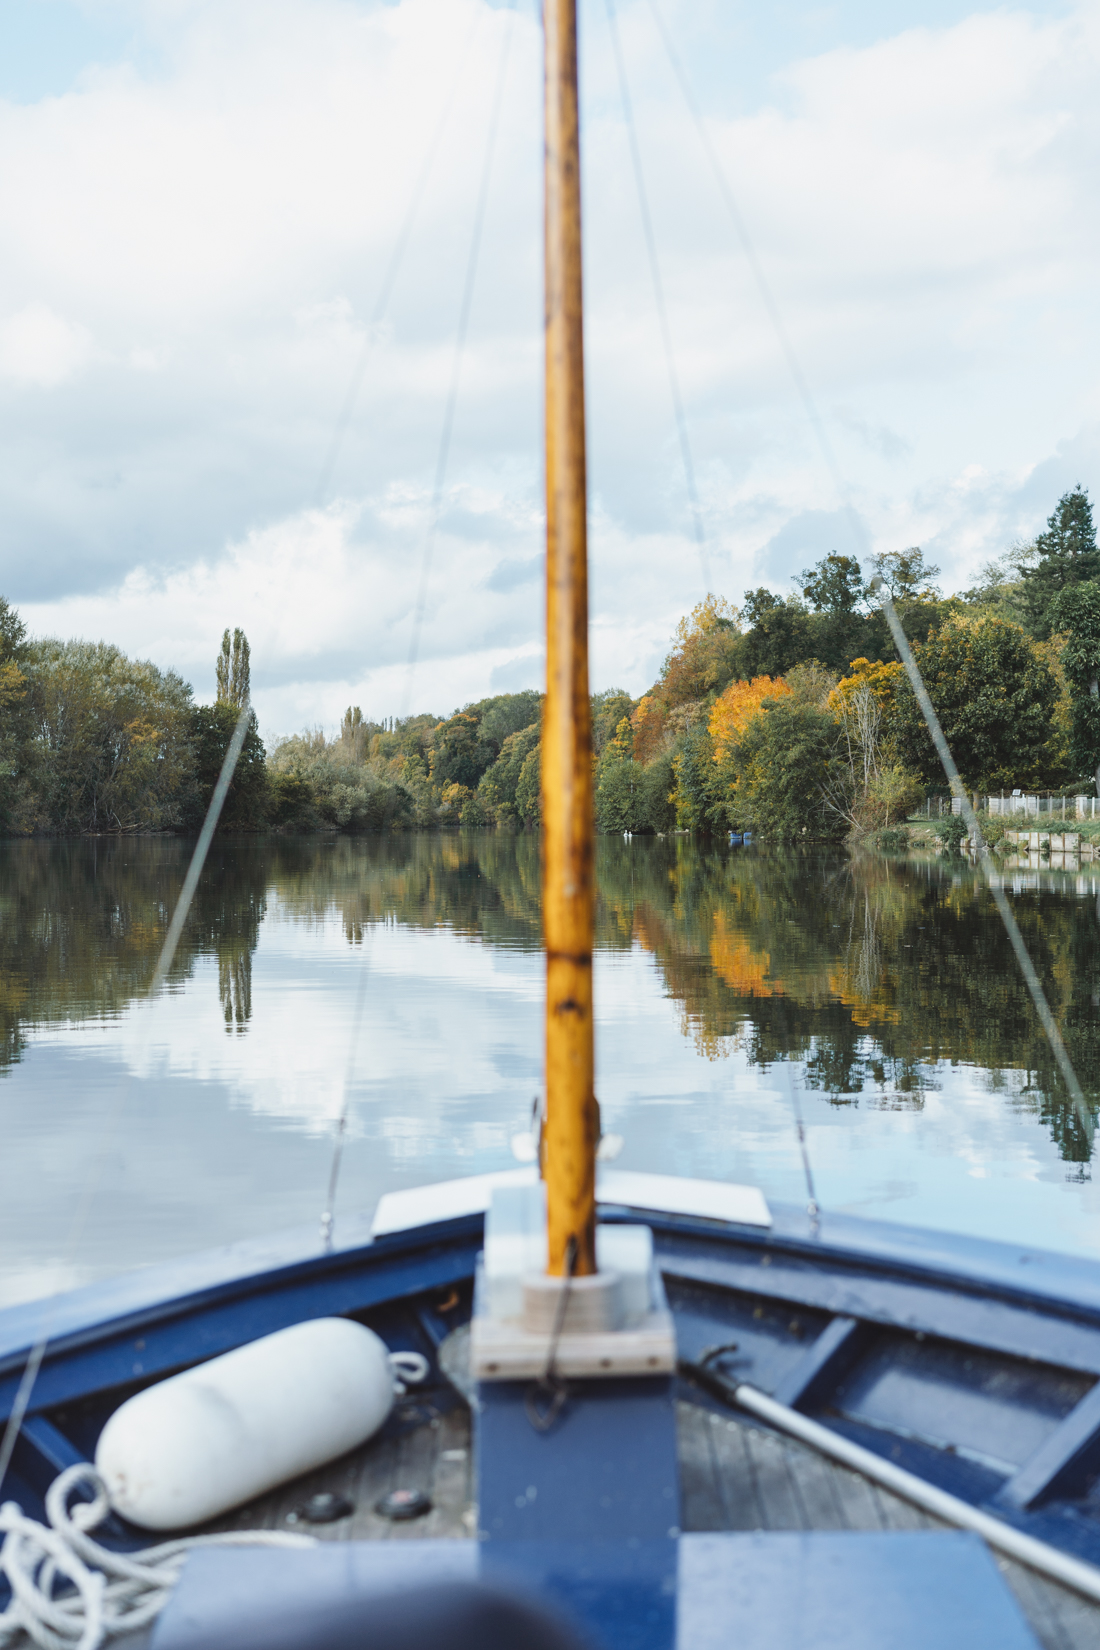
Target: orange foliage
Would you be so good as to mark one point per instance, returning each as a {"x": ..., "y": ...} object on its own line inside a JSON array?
[
  {"x": 702, "y": 655},
  {"x": 743, "y": 969},
  {"x": 874, "y": 1008},
  {"x": 648, "y": 723},
  {"x": 735, "y": 709}
]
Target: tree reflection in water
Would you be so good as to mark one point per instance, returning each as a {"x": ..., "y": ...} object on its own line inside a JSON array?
[{"x": 869, "y": 972}]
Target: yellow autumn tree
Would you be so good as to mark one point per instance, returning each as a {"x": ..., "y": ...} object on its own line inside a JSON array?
[
  {"x": 734, "y": 710},
  {"x": 872, "y": 789},
  {"x": 880, "y": 679}
]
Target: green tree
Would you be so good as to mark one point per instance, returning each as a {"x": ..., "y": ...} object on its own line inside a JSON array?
[
  {"x": 785, "y": 757},
  {"x": 780, "y": 636},
  {"x": 608, "y": 710},
  {"x": 504, "y": 714},
  {"x": 111, "y": 746},
  {"x": 906, "y": 574},
  {"x": 500, "y": 784},
  {"x": 994, "y": 694},
  {"x": 15, "y": 723},
  {"x": 529, "y": 787},
  {"x": 1066, "y": 555},
  {"x": 1077, "y": 610},
  {"x": 620, "y": 796},
  {"x": 833, "y": 585},
  {"x": 458, "y": 756},
  {"x": 246, "y": 803}
]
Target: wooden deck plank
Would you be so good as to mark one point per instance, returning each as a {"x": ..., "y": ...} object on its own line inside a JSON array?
[
  {"x": 452, "y": 1479},
  {"x": 702, "y": 1505},
  {"x": 779, "y": 1504},
  {"x": 1041, "y": 1610},
  {"x": 771, "y": 1482},
  {"x": 821, "y": 1503},
  {"x": 735, "y": 1475},
  {"x": 417, "y": 1456},
  {"x": 738, "y": 1480}
]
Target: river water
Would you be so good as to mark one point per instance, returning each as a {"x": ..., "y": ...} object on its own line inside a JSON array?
[{"x": 403, "y": 976}]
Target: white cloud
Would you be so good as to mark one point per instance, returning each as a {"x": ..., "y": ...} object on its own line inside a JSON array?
[
  {"x": 41, "y": 348},
  {"x": 221, "y": 227}
]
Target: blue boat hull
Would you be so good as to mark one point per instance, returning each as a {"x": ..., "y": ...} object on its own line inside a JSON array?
[{"x": 974, "y": 1365}]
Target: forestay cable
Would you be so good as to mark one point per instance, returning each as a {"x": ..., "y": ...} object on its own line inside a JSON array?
[
  {"x": 382, "y": 302},
  {"x": 1008, "y": 916},
  {"x": 764, "y": 289},
  {"x": 160, "y": 974},
  {"x": 659, "y": 297},
  {"x": 328, "y": 1213},
  {"x": 460, "y": 349}
]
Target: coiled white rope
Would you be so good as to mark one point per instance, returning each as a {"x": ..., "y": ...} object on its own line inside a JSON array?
[{"x": 71, "y": 1593}]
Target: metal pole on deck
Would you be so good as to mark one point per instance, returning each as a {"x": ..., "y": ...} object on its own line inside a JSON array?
[{"x": 571, "y": 1129}]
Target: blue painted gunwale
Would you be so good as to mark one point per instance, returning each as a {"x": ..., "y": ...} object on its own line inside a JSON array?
[{"x": 860, "y": 1277}]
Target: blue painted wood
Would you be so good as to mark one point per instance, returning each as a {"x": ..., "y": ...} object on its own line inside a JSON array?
[
  {"x": 817, "y": 1372},
  {"x": 899, "y": 1591},
  {"x": 221, "y": 1588},
  {"x": 919, "y": 1590},
  {"x": 620, "y": 1594},
  {"x": 880, "y": 1296},
  {"x": 995, "y": 1409},
  {"x": 241, "y": 1310},
  {"x": 605, "y": 1471},
  {"x": 42, "y": 1451},
  {"x": 970, "y": 1480},
  {"x": 1007, "y": 1300},
  {"x": 1064, "y": 1464}
]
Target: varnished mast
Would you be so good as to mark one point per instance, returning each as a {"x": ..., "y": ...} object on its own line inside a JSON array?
[{"x": 571, "y": 1124}]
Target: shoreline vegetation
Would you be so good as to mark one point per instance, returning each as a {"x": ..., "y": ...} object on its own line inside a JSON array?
[{"x": 787, "y": 716}]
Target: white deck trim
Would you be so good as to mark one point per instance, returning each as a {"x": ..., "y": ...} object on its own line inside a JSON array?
[{"x": 664, "y": 1193}]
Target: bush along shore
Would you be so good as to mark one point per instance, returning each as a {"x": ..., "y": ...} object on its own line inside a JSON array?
[{"x": 788, "y": 716}]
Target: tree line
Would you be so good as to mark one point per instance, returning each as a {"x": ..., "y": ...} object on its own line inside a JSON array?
[
  {"x": 790, "y": 716},
  {"x": 94, "y": 742}
]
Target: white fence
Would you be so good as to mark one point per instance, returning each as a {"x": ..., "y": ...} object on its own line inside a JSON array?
[
  {"x": 1021, "y": 806},
  {"x": 1032, "y": 807}
]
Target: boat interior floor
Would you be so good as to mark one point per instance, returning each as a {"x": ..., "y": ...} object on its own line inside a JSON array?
[{"x": 735, "y": 1475}]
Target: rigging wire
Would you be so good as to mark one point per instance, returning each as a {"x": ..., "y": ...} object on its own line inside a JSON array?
[
  {"x": 385, "y": 292},
  {"x": 659, "y": 297},
  {"x": 107, "y": 1134},
  {"x": 328, "y": 1213},
  {"x": 1007, "y": 915},
  {"x": 763, "y": 287},
  {"x": 460, "y": 350},
  {"x": 813, "y": 1208}
]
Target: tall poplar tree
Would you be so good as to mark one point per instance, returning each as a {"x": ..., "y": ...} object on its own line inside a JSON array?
[{"x": 233, "y": 671}]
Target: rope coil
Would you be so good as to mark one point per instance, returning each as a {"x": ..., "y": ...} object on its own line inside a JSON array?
[{"x": 71, "y": 1593}]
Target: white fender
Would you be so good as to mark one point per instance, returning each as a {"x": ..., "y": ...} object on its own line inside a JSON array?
[{"x": 199, "y": 1443}]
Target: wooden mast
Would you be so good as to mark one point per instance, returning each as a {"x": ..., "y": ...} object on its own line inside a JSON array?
[{"x": 572, "y": 1118}]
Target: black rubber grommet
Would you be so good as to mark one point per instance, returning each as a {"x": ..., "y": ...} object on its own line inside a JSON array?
[
  {"x": 401, "y": 1505},
  {"x": 324, "y": 1508}
]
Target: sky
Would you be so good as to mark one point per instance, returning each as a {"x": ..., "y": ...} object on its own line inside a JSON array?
[{"x": 238, "y": 239}]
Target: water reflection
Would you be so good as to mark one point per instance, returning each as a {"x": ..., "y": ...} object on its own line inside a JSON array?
[{"x": 873, "y": 975}]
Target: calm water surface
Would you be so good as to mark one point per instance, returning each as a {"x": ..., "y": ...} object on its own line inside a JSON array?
[{"x": 732, "y": 988}]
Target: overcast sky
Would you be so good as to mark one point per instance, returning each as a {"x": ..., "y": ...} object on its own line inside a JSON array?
[{"x": 199, "y": 202}]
